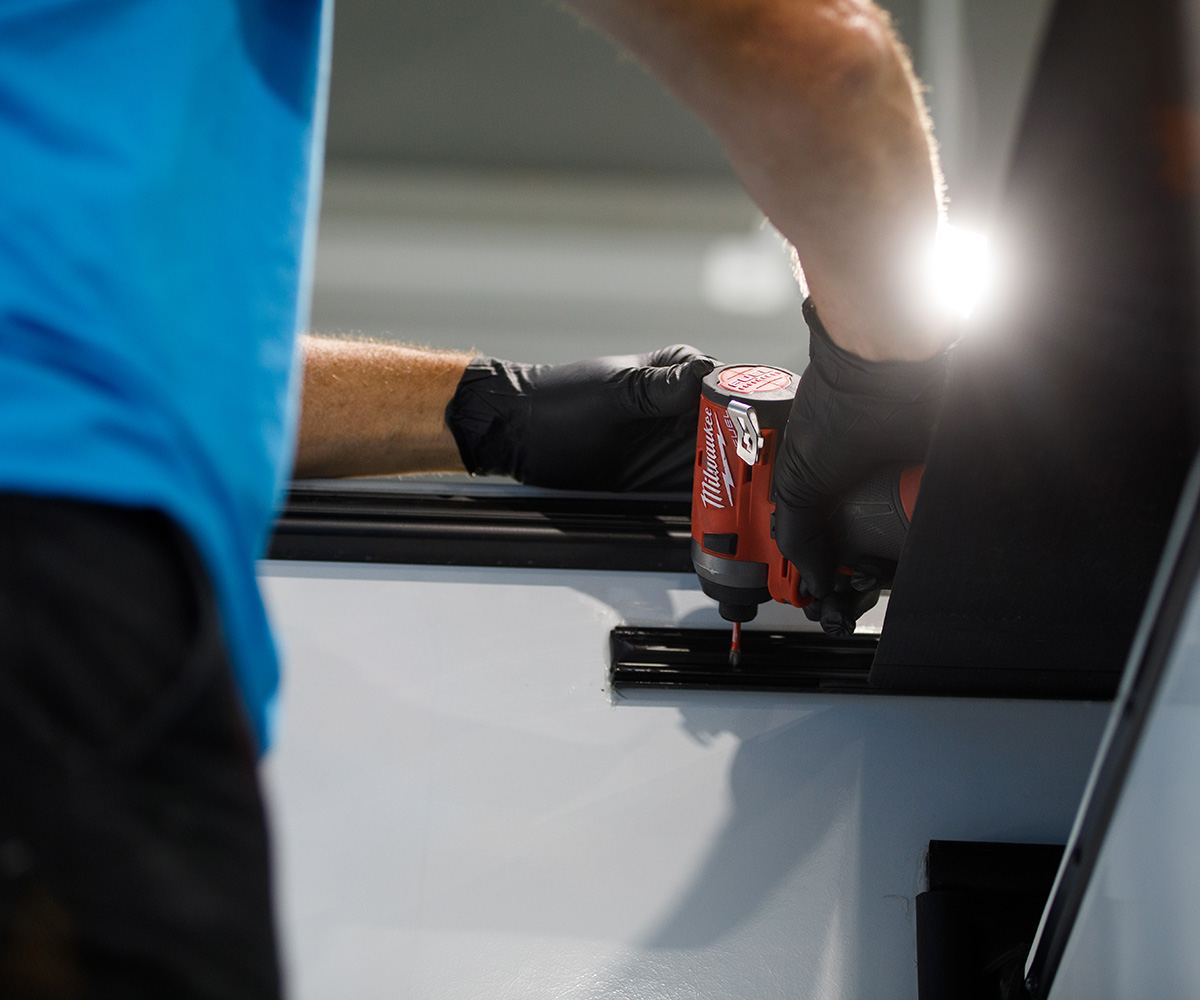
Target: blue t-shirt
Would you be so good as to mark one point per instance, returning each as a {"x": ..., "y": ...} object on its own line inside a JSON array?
[{"x": 159, "y": 165}]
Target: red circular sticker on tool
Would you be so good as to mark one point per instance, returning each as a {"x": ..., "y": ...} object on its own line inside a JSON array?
[{"x": 753, "y": 378}]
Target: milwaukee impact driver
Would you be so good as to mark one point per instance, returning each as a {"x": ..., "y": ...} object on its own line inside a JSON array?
[{"x": 743, "y": 411}]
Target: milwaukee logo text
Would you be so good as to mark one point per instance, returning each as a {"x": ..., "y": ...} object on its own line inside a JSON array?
[{"x": 716, "y": 487}]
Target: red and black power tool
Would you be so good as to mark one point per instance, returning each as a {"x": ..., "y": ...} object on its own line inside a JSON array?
[{"x": 743, "y": 411}]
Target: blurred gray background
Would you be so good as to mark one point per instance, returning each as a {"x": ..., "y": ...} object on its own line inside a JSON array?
[{"x": 501, "y": 178}]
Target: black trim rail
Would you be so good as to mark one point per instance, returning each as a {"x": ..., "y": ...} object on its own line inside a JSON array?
[
  {"x": 698, "y": 659},
  {"x": 694, "y": 658},
  {"x": 453, "y": 526}
]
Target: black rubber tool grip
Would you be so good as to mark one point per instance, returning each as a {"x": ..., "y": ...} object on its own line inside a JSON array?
[{"x": 872, "y": 520}]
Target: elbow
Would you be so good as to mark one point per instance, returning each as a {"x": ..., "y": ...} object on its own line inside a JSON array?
[
  {"x": 852, "y": 60},
  {"x": 832, "y": 77},
  {"x": 839, "y": 51}
]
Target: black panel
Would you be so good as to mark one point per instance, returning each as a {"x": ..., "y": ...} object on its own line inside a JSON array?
[
  {"x": 461, "y": 527},
  {"x": 978, "y": 918},
  {"x": 987, "y": 867},
  {"x": 1068, "y": 428}
]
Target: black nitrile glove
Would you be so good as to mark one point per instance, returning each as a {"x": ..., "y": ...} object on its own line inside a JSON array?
[
  {"x": 617, "y": 423},
  {"x": 840, "y": 609},
  {"x": 850, "y": 417}
]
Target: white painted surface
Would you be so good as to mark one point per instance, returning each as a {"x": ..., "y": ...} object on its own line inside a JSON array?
[
  {"x": 463, "y": 809},
  {"x": 1138, "y": 929}
]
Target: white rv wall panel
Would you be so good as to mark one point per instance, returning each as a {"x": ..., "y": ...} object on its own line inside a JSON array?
[
  {"x": 1138, "y": 930},
  {"x": 463, "y": 809}
]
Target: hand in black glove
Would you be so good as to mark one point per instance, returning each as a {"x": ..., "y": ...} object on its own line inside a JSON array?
[
  {"x": 614, "y": 423},
  {"x": 840, "y": 609},
  {"x": 850, "y": 417}
]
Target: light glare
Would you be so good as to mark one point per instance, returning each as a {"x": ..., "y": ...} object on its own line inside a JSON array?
[{"x": 960, "y": 270}]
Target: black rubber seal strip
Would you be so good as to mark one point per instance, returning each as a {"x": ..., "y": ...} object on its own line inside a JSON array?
[
  {"x": 697, "y": 658},
  {"x": 459, "y": 527},
  {"x": 1152, "y": 653}
]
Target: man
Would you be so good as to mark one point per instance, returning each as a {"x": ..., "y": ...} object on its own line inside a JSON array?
[
  {"x": 155, "y": 246},
  {"x": 820, "y": 113}
]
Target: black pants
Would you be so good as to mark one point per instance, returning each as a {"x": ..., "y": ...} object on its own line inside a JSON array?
[{"x": 133, "y": 852}]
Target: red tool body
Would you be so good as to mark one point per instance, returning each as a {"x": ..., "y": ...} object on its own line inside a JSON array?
[{"x": 743, "y": 411}]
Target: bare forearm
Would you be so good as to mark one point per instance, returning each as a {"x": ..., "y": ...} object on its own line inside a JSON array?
[
  {"x": 817, "y": 108},
  {"x": 376, "y": 409}
]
